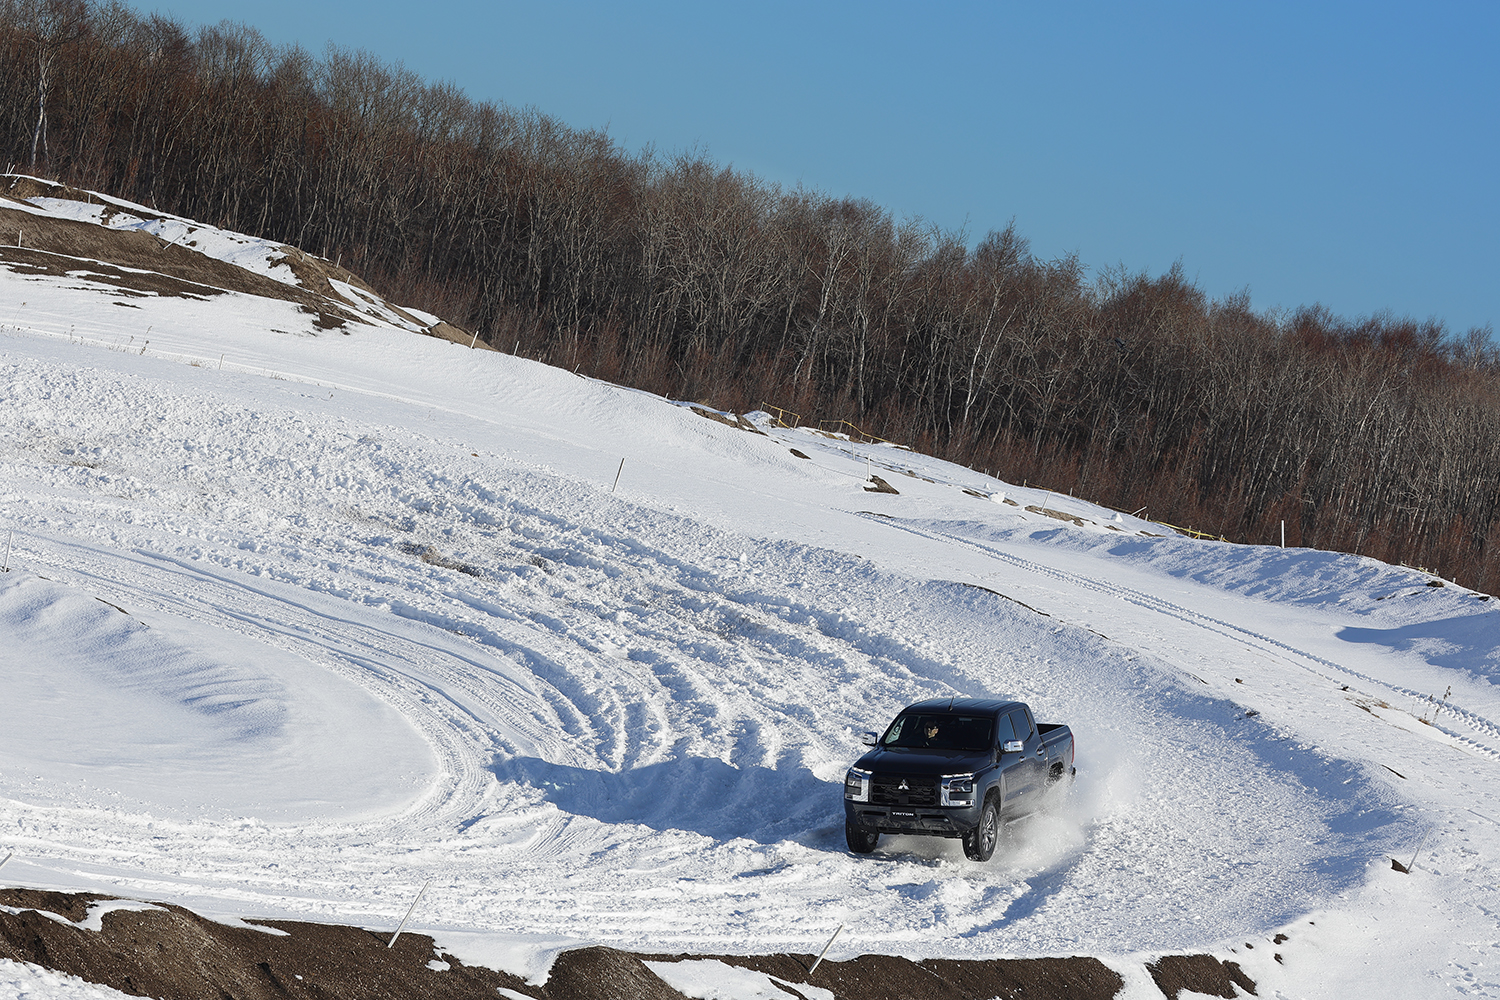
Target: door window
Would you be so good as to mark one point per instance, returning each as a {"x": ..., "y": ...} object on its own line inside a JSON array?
[{"x": 1021, "y": 723}]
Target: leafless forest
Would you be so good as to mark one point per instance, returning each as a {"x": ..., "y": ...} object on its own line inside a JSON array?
[{"x": 1379, "y": 435}]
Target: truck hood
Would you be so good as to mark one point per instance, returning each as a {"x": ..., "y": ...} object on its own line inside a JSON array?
[{"x": 905, "y": 761}]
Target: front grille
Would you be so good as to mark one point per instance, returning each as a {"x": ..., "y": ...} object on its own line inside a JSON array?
[{"x": 886, "y": 790}]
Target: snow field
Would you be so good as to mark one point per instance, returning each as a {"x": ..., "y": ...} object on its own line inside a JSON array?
[
  {"x": 638, "y": 708},
  {"x": 380, "y": 618}
]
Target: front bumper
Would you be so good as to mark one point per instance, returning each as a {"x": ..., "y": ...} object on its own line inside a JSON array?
[{"x": 922, "y": 821}]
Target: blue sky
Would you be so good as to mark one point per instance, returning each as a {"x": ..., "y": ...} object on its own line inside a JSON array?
[{"x": 1338, "y": 153}]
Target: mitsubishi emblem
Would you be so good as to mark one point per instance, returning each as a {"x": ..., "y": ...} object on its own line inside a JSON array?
[{"x": 903, "y": 787}]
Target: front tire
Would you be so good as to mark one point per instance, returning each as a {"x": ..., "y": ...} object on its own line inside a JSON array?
[
  {"x": 979, "y": 843},
  {"x": 860, "y": 840}
]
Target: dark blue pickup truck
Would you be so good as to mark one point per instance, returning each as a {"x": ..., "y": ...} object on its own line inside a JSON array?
[{"x": 954, "y": 767}]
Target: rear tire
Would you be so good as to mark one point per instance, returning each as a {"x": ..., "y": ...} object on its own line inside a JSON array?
[
  {"x": 979, "y": 843},
  {"x": 860, "y": 840}
]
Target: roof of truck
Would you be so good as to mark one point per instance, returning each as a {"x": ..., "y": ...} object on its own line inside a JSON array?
[{"x": 976, "y": 706}]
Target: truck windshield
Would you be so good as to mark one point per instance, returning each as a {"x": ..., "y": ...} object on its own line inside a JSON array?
[{"x": 940, "y": 732}]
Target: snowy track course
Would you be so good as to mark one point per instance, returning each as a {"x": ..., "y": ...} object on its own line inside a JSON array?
[{"x": 293, "y": 643}]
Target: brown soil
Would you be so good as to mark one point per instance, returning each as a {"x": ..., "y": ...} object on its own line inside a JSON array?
[
  {"x": 1199, "y": 974},
  {"x": 887, "y": 977},
  {"x": 174, "y": 954},
  {"x": 1055, "y": 513},
  {"x": 454, "y": 335},
  {"x": 731, "y": 419}
]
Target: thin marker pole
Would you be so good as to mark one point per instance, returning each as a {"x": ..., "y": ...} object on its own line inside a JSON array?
[
  {"x": 617, "y": 475},
  {"x": 8, "y": 539},
  {"x": 474, "y": 341},
  {"x": 409, "y": 912},
  {"x": 819, "y": 960},
  {"x": 1283, "y": 534},
  {"x": 1420, "y": 844},
  {"x": 7, "y": 858}
]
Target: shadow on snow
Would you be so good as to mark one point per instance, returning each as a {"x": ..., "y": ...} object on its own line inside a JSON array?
[{"x": 701, "y": 795}]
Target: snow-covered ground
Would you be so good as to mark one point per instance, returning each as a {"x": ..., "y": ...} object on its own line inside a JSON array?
[{"x": 296, "y": 621}]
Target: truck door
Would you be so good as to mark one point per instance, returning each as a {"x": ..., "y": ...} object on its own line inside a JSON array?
[
  {"x": 1031, "y": 769},
  {"x": 1014, "y": 775}
]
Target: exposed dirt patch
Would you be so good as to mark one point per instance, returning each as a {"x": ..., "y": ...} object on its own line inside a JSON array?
[
  {"x": 131, "y": 248},
  {"x": 1047, "y": 511},
  {"x": 26, "y": 261},
  {"x": 133, "y": 260},
  {"x": 886, "y": 977},
  {"x": 1199, "y": 974},
  {"x": 731, "y": 419},
  {"x": 454, "y": 335},
  {"x": 878, "y": 485},
  {"x": 433, "y": 557},
  {"x": 313, "y": 272},
  {"x": 174, "y": 954}
]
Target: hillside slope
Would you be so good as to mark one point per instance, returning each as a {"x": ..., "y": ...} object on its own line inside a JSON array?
[{"x": 296, "y": 621}]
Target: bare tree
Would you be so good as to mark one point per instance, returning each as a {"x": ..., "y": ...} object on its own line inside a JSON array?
[{"x": 47, "y": 26}]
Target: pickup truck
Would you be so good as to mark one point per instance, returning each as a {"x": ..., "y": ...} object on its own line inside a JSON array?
[{"x": 954, "y": 767}]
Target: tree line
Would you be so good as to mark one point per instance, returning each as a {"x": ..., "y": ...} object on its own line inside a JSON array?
[{"x": 671, "y": 273}]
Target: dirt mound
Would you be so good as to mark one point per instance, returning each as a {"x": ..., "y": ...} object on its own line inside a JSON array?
[
  {"x": 154, "y": 266},
  {"x": 165, "y": 951},
  {"x": 174, "y": 954}
]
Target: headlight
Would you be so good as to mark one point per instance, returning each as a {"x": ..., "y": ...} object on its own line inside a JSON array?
[
  {"x": 857, "y": 785},
  {"x": 958, "y": 790}
]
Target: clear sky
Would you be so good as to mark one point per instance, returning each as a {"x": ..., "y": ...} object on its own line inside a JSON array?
[{"x": 1342, "y": 153}]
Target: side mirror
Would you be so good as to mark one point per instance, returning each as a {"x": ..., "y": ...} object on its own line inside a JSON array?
[
  {"x": 1013, "y": 746},
  {"x": 869, "y": 739}
]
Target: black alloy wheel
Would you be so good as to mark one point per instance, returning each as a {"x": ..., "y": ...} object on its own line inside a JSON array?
[
  {"x": 860, "y": 840},
  {"x": 979, "y": 843}
]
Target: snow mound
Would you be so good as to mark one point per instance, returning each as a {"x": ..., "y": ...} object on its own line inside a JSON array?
[{"x": 182, "y": 719}]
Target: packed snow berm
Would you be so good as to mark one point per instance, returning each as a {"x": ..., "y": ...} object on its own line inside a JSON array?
[{"x": 300, "y": 614}]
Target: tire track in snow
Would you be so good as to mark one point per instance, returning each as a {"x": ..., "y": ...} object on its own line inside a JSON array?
[
  {"x": 1251, "y": 638},
  {"x": 437, "y": 699}
]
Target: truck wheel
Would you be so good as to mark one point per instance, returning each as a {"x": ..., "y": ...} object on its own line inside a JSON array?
[
  {"x": 979, "y": 843},
  {"x": 860, "y": 841}
]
